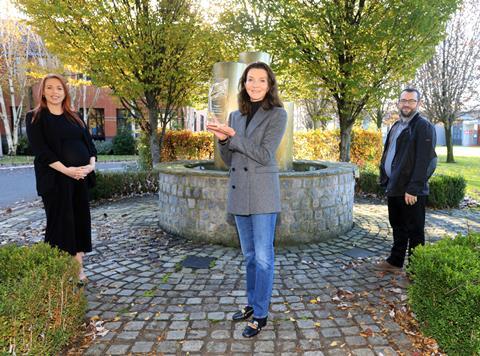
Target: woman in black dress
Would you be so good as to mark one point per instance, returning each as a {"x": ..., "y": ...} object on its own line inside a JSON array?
[{"x": 64, "y": 168}]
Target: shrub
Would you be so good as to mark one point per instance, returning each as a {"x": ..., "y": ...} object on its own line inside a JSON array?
[
  {"x": 103, "y": 147},
  {"x": 41, "y": 308},
  {"x": 446, "y": 191},
  {"x": 115, "y": 184},
  {"x": 368, "y": 182},
  {"x": 23, "y": 147},
  {"x": 445, "y": 293},
  {"x": 366, "y": 148},
  {"x": 322, "y": 145},
  {"x": 185, "y": 145},
  {"x": 316, "y": 145},
  {"x": 123, "y": 143}
]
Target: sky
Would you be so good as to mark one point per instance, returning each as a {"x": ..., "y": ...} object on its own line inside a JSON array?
[{"x": 7, "y": 10}]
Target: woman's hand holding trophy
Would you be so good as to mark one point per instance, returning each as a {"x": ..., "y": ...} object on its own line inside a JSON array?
[{"x": 217, "y": 99}]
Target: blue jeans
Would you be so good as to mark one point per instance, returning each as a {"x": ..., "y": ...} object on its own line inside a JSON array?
[{"x": 257, "y": 232}]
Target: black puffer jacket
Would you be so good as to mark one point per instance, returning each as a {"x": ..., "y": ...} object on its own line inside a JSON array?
[{"x": 415, "y": 159}]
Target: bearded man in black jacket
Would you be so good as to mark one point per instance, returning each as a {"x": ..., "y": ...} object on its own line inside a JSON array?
[{"x": 407, "y": 163}]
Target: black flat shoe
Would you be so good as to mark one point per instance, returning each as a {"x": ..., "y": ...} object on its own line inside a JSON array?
[
  {"x": 243, "y": 314},
  {"x": 253, "y": 327}
]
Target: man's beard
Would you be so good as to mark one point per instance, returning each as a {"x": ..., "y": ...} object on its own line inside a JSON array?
[{"x": 408, "y": 113}]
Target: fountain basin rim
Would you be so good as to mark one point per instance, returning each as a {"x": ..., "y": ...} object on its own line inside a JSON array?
[{"x": 326, "y": 168}]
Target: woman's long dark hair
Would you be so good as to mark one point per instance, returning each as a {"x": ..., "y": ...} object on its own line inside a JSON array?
[
  {"x": 271, "y": 98},
  {"x": 42, "y": 102}
]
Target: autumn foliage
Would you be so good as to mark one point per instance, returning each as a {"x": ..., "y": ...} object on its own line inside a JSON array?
[{"x": 312, "y": 145}]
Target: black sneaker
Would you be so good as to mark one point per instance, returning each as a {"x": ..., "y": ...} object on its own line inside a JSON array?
[
  {"x": 243, "y": 314},
  {"x": 253, "y": 327}
]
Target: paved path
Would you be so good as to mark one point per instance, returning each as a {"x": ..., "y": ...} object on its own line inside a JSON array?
[
  {"x": 17, "y": 183},
  {"x": 324, "y": 302}
]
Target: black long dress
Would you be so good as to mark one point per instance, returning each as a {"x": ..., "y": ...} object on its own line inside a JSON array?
[{"x": 66, "y": 203}]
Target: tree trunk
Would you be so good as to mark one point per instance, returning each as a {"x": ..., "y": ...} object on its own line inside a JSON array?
[
  {"x": 162, "y": 138},
  {"x": 154, "y": 147},
  {"x": 346, "y": 126},
  {"x": 379, "y": 118},
  {"x": 6, "y": 123},
  {"x": 448, "y": 140},
  {"x": 153, "y": 111}
]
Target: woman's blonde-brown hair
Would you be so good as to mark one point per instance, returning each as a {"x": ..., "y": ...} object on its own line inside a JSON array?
[
  {"x": 271, "y": 98},
  {"x": 42, "y": 102}
]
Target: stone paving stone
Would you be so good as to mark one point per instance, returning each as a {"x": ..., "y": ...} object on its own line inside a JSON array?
[
  {"x": 133, "y": 276},
  {"x": 118, "y": 349},
  {"x": 179, "y": 325},
  {"x": 330, "y": 332},
  {"x": 176, "y": 335},
  {"x": 192, "y": 345},
  {"x": 128, "y": 335},
  {"x": 264, "y": 346},
  {"x": 216, "y": 346},
  {"x": 142, "y": 346},
  {"x": 220, "y": 334},
  {"x": 310, "y": 334},
  {"x": 134, "y": 325},
  {"x": 355, "y": 340},
  {"x": 385, "y": 351},
  {"x": 216, "y": 316},
  {"x": 241, "y": 348},
  {"x": 363, "y": 352},
  {"x": 97, "y": 349},
  {"x": 166, "y": 347}
]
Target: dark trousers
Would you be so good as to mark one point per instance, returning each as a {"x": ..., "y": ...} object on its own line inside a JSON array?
[
  {"x": 408, "y": 225},
  {"x": 68, "y": 216}
]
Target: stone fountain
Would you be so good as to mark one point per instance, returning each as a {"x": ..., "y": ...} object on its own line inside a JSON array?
[{"x": 317, "y": 197}]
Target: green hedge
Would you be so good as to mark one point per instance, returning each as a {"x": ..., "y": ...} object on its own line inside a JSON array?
[
  {"x": 445, "y": 293},
  {"x": 445, "y": 191},
  {"x": 41, "y": 309},
  {"x": 111, "y": 184}
]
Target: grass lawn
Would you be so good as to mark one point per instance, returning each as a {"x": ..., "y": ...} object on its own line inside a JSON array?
[
  {"x": 467, "y": 164},
  {"x": 22, "y": 160}
]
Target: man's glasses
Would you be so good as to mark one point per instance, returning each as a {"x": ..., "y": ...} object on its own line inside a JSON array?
[{"x": 410, "y": 101}]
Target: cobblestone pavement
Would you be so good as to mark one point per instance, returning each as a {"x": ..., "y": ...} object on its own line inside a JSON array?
[{"x": 324, "y": 301}]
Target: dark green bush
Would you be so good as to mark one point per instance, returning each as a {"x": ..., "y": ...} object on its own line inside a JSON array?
[
  {"x": 23, "y": 147},
  {"x": 120, "y": 184},
  {"x": 41, "y": 308},
  {"x": 103, "y": 147},
  {"x": 123, "y": 143},
  {"x": 368, "y": 182},
  {"x": 445, "y": 293},
  {"x": 446, "y": 191}
]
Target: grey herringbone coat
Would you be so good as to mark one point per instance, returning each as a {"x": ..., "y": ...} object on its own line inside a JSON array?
[{"x": 254, "y": 185}]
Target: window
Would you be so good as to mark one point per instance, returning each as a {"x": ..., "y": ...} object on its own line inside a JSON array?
[
  {"x": 96, "y": 123},
  {"x": 123, "y": 119}
]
